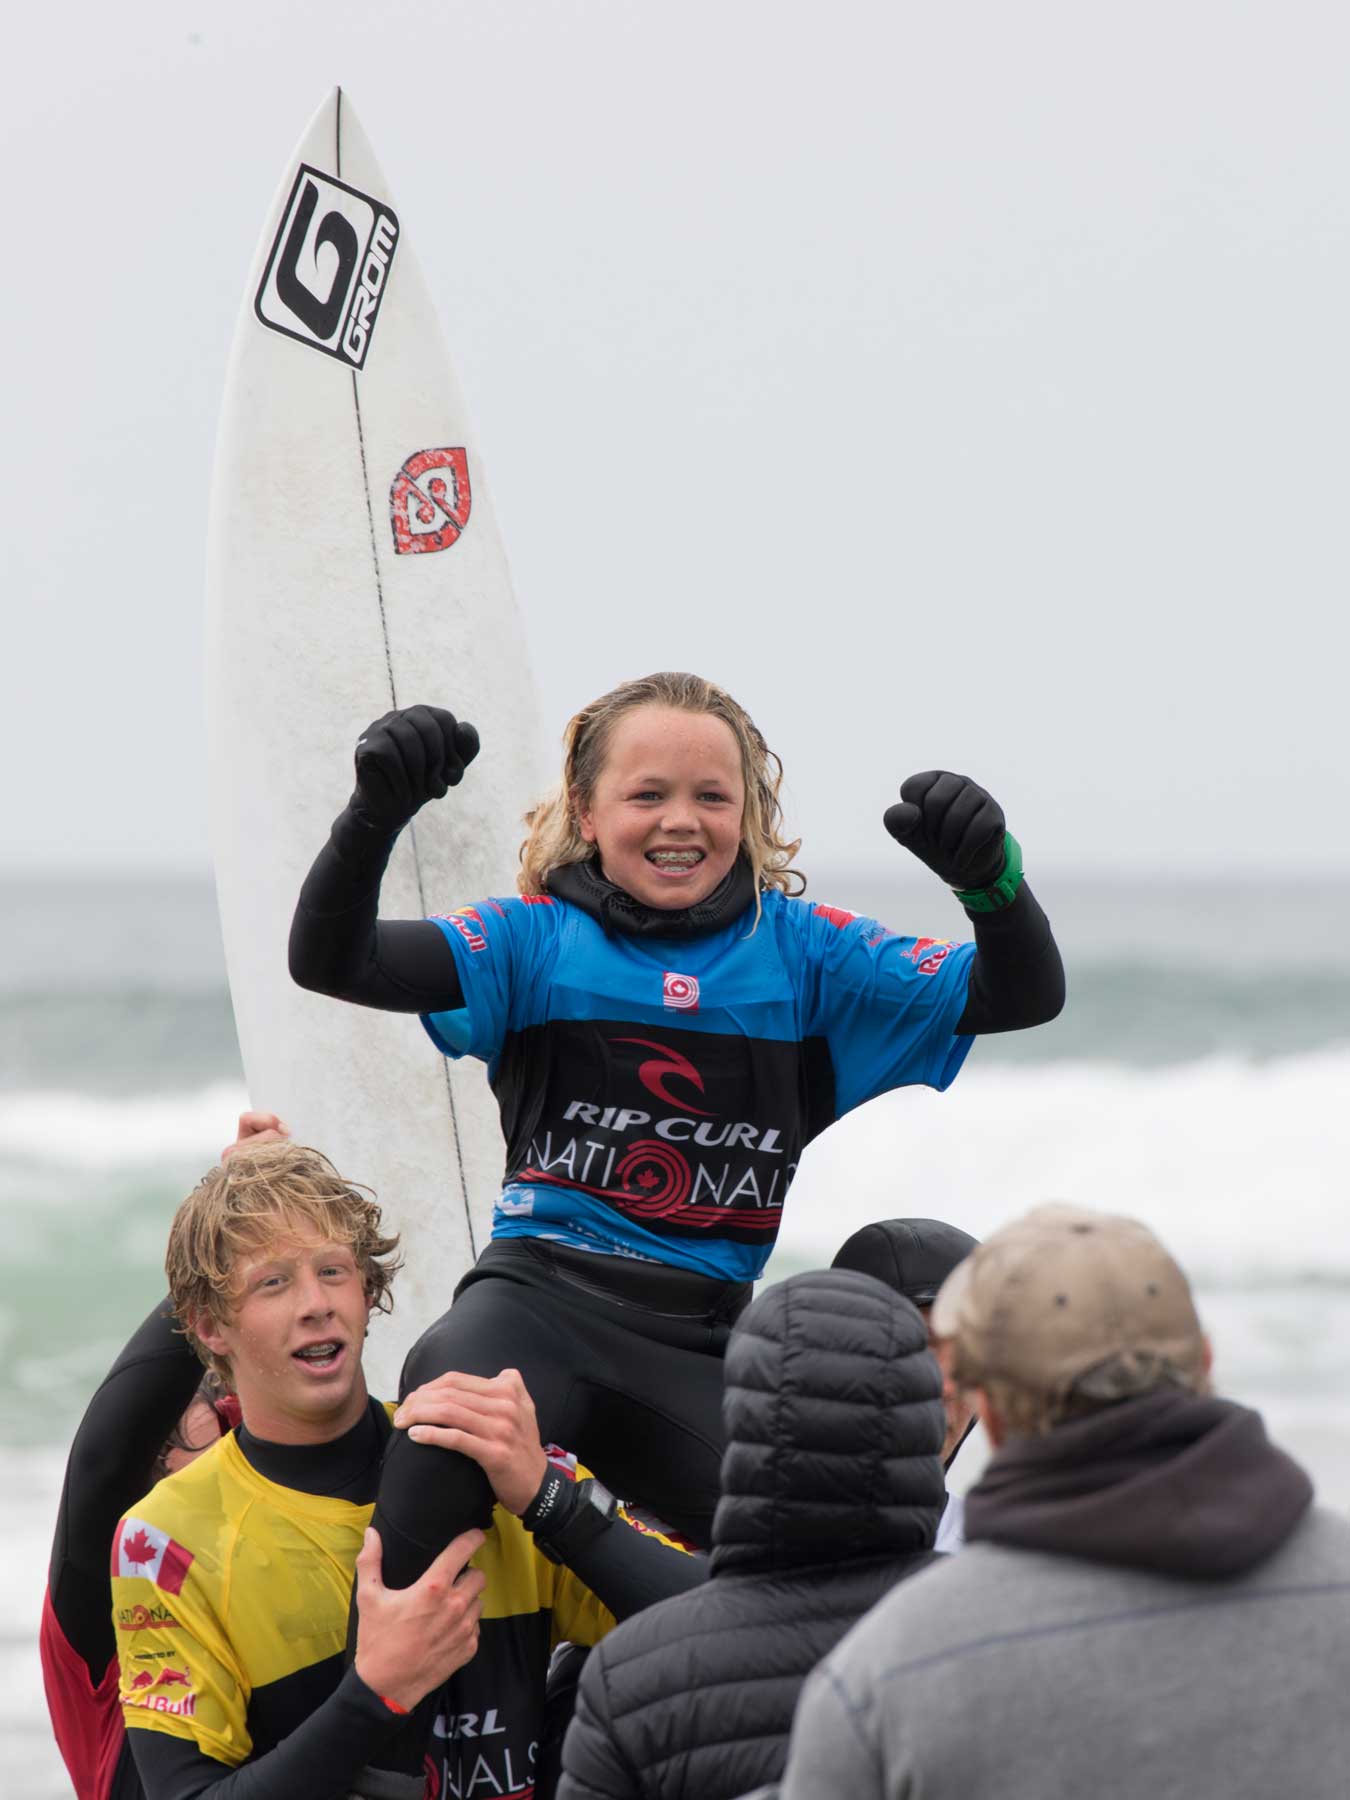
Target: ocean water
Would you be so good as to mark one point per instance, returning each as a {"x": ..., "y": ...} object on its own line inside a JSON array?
[{"x": 1197, "y": 1079}]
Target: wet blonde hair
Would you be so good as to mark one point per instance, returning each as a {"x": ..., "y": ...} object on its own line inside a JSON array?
[
  {"x": 253, "y": 1198},
  {"x": 554, "y": 828}
]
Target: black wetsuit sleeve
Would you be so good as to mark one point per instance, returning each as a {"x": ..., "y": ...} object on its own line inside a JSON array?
[
  {"x": 626, "y": 1568},
  {"x": 1017, "y": 976},
  {"x": 318, "y": 1761},
  {"x": 111, "y": 1466},
  {"x": 338, "y": 944}
]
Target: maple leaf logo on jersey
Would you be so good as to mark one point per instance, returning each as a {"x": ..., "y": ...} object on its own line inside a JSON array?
[
  {"x": 138, "y": 1549},
  {"x": 144, "y": 1550}
]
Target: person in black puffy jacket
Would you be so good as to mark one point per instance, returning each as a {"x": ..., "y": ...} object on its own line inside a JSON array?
[{"x": 831, "y": 1493}]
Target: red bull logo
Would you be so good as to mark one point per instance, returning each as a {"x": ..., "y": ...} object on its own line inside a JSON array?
[
  {"x": 459, "y": 921},
  {"x": 184, "y": 1707},
  {"x": 928, "y": 954},
  {"x": 147, "y": 1689},
  {"x": 167, "y": 1677}
]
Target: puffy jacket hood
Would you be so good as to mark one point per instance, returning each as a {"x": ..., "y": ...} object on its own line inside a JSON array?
[
  {"x": 833, "y": 1412},
  {"x": 1169, "y": 1482}
]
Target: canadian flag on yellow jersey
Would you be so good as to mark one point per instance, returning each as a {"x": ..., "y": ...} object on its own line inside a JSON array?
[{"x": 145, "y": 1550}]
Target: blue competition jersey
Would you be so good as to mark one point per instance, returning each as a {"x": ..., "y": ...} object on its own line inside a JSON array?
[{"x": 656, "y": 1096}]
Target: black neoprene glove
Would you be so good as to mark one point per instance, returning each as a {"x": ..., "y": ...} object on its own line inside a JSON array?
[
  {"x": 950, "y": 823},
  {"x": 407, "y": 758}
]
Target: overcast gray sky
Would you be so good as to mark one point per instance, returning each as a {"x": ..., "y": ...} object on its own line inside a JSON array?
[{"x": 961, "y": 385}]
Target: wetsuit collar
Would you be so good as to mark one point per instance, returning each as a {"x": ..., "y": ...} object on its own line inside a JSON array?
[
  {"x": 583, "y": 884},
  {"x": 346, "y": 1469}
]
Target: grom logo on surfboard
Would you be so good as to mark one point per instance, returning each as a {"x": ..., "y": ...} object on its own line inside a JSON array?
[{"x": 328, "y": 267}]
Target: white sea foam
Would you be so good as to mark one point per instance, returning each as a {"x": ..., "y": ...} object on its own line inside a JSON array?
[
  {"x": 86, "y": 1131},
  {"x": 1240, "y": 1167}
]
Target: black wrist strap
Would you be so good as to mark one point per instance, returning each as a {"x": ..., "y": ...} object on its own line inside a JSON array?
[
  {"x": 566, "y": 1516},
  {"x": 549, "y": 1504},
  {"x": 626, "y": 1567}
]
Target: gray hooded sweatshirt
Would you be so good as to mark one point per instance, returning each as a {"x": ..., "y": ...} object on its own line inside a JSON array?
[{"x": 1146, "y": 1608}]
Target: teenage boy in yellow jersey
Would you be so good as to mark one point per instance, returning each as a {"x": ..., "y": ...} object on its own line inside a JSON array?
[{"x": 237, "y": 1572}]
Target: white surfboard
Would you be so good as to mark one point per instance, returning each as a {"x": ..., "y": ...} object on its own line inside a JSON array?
[{"x": 355, "y": 565}]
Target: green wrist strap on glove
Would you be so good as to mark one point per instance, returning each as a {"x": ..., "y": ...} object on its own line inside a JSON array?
[{"x": 1002, "y": 892}]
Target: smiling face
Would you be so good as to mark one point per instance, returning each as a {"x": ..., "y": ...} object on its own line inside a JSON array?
[
  {"x": 665, "y": 815},
  {"x": 293, "y": 1337}
]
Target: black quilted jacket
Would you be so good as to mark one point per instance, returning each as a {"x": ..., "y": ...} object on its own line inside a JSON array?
[{"x": 831, "y": 1493}]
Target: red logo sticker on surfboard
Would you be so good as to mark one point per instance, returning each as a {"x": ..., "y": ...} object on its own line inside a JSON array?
[{"x": 429, "y": 501}]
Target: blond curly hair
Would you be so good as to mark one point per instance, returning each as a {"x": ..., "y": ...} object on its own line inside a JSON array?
[
  {"x": 554, "y": 824},
  {"x": 260, "y": 1194}
]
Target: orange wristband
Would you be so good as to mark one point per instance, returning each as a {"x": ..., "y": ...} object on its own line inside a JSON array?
[{"x": 393, "y": 1705}]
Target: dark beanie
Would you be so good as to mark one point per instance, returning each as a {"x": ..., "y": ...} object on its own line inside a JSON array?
[{"x": 912, "y": 1256}]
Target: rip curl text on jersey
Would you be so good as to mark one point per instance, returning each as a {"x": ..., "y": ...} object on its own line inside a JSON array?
[{"x": 656, "y": 1096}]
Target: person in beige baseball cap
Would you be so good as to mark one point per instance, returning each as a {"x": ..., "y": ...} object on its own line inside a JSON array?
[
  {"x": 1148, "y": 1603},
  {"x": 1066, "y": 1310}
]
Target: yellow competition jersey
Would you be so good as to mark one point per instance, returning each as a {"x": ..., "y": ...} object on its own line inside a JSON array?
[{"x": 231, "y": 1594}]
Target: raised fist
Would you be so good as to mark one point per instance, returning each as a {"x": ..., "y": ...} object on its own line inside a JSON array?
[
  {"x": 407, "y": 758},
  {"x": 950, "y": 823}
]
